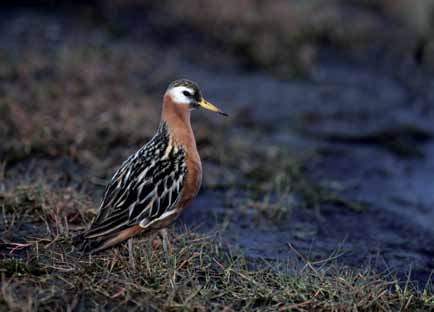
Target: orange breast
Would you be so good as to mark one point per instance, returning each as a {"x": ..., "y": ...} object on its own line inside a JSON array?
[{"x": 193, "y": 180}]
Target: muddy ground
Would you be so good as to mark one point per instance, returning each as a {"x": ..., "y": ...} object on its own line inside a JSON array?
[
  {"x": 336, "y": 165},
  {"x": 369, "y": 138}
]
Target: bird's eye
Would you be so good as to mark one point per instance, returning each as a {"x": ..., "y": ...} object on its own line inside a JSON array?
[{"x": 186, "y": 93}]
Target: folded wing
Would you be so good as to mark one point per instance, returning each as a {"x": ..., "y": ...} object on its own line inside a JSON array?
[{"x": 146, "y": 186}]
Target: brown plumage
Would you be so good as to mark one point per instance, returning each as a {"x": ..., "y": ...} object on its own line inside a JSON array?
[{"x": 151, "y": 188}]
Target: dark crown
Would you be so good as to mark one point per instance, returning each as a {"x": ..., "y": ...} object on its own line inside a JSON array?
[{"x": 186, "y": 83}]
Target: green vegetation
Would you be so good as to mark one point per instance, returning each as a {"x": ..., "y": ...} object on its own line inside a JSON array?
[
  {"x": 275, "y": 180},
  {"x": 42, "y": 272}
]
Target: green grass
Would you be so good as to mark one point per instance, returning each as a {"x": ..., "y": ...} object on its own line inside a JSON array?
[
  {"x": 199, "y": 275},
  {"x": 274, "y": 180},
  {"x": 40, "y": 270}
]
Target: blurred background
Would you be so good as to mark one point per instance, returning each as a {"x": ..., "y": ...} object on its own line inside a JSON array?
[{"x": 329, "y": 144}]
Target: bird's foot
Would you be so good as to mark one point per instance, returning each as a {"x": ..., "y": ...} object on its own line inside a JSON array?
[
  {"x": 167, "y": 246},
  {"x": 131, "y": 260}
]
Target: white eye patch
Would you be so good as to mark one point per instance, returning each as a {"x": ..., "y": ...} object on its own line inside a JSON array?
[{"x": 178, "y": 96}]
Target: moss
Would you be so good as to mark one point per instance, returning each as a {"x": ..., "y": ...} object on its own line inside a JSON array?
[
  {"x": 316, "y": 195},
  {"x": 278, "y": 183}
]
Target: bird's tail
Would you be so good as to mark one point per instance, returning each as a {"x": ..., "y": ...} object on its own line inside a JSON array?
[
  {"x": 87, "y": 245},
  {"x": 93, "y": 244}
]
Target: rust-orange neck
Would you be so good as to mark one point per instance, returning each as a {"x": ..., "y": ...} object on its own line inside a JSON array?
[{"x": 177, "y": 118}]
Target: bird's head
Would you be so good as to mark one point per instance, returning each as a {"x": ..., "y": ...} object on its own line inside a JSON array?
[{"x": 186, "y": 92}]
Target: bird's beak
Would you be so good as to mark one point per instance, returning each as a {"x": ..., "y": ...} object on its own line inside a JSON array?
[{"x": 207, "y": 105}]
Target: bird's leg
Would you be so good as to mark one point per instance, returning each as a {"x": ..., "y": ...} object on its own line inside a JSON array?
[
  {"x": 131, "y": 260},
  {"x": 166, "y": 242}
]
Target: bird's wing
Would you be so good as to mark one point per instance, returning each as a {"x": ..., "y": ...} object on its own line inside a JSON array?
[{"x": 145, "y": 187}]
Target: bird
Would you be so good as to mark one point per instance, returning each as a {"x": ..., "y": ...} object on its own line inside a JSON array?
[{"x": 155, "y": 184}]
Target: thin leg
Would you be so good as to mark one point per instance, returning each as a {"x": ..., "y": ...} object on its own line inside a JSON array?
[
  {"x": 166, "y": 242},
  {"x": 131, "y": 260},
  {"x": 156, "y": 242}
]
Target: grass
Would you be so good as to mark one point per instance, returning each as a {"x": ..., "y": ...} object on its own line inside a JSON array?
[
  {"x": 274, "y": 180},
  {"x": 82, "y": 123},
  {"x": 40, "y": 271},
  {"x": 200, "y": 274}
]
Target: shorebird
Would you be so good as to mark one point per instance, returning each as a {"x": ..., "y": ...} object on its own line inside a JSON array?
[{"x": 153, "y": 186}]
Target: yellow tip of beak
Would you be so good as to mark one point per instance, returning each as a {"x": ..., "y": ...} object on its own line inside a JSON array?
[{"x": 207, "y": 105}]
